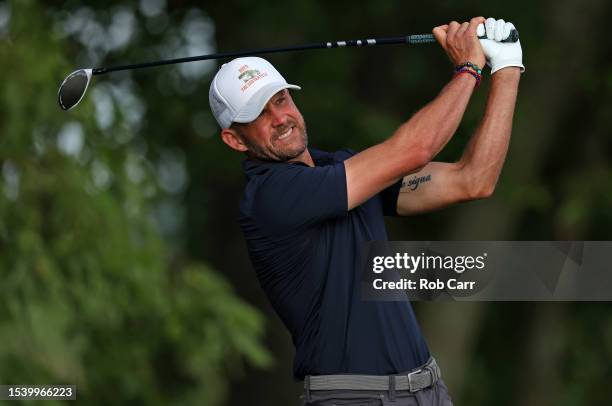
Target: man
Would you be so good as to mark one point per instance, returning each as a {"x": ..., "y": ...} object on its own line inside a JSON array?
[{"x": 305, "y": 213}]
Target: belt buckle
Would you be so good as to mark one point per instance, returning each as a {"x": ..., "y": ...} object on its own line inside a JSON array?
[{"x": 410, "y": 388}]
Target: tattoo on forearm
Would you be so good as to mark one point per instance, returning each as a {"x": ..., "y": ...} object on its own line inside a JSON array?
[{"x": 411, "y": 184}]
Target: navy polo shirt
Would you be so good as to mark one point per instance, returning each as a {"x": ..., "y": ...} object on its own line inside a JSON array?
[{"x": 304, "y": 246}]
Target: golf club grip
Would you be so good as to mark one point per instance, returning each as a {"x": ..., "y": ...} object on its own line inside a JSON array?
[{"x": 429, "y": 38}]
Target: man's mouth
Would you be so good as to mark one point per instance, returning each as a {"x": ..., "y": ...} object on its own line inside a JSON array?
[{"x": 286, "y": 134}]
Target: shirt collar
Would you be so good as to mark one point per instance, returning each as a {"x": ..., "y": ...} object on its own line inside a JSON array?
[{"x": 253, "y": 167}]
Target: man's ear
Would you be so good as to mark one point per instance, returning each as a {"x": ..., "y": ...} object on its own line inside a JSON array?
[{"x": 233, "y": 140}]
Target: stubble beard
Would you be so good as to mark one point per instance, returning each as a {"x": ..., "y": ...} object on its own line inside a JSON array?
[{"x": 278, "y": 152}]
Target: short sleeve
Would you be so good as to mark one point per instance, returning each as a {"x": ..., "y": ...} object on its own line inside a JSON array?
[
  {"x": 389, "y": 199},
  {"x": 388, "y": 196},
  {"x": 296, "y": 197}
]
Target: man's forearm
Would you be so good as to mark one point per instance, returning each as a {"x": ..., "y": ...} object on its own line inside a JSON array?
[
  {"x": 484, "y": 156},
  {"x": 432, "y": 127}
]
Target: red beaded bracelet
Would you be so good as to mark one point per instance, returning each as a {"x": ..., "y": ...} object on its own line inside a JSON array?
[{"x": 471, "y": 72}]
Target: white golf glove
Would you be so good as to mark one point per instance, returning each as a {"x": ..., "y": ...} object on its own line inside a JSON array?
[{"x": 500, "y": 54}]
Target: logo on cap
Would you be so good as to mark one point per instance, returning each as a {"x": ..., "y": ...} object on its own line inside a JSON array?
[{"x": 249, "y": 76}]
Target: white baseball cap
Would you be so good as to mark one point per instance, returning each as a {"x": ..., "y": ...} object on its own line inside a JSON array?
[{"x": 241, "y": 89}]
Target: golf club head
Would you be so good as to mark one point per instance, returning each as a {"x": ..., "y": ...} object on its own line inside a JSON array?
[{"x": 73, "y": 88}]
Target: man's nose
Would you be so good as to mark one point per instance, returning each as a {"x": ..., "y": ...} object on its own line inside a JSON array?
[{"x": 279, "y": 118}]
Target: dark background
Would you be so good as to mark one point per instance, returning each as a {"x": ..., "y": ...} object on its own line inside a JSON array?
[{"x": 123, "y": 269}]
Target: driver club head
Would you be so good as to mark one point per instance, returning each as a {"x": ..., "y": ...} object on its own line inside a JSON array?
[{"x": 73, "y": 88}]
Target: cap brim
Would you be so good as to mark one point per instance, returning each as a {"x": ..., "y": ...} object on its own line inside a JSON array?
[{"x": 255, "y": 106}]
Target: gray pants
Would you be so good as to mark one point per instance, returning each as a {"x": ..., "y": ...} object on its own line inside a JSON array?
[{"x": 437, "y": 395}]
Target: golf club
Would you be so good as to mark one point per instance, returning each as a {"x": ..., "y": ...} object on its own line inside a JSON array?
[{"x": 75, "y": 85}]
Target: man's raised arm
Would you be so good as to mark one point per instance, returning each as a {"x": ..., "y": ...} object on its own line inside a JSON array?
[
  {"x": 416, "y": 142},
  {"x": 475, "y": 175}
]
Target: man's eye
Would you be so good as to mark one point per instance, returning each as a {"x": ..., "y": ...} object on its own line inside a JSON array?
[{"x": 280, "y": 100}]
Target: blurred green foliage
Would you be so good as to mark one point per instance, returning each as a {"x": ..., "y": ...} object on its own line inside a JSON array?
[
  {"x": 118, "y": 233},
  {"x": 90, "y": 292}
]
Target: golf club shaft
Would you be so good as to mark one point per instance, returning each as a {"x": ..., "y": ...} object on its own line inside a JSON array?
[{"x": 410, "y": 39}]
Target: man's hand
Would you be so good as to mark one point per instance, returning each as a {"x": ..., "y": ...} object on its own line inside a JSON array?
[
  {"x": 500, "y": 54},
  {"x": 460, "y": 42}
]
